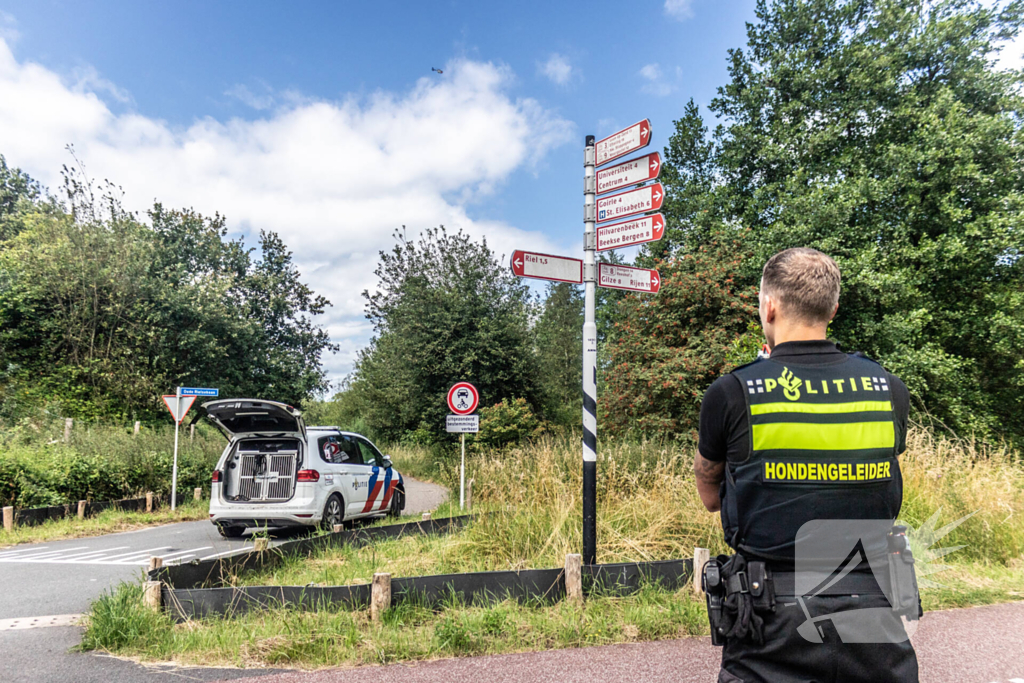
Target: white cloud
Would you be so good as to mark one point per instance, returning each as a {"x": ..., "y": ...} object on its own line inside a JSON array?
[
  {"x": 334, "y": 179},
  {"x": 655, "y": 84},
  {"x": 557, "y": 69},
  {"x": 679, "y": 9}
]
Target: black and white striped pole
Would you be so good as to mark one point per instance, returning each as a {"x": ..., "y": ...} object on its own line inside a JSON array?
[{"x": 589, "y": 355}]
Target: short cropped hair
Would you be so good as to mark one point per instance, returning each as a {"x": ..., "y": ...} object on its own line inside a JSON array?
[{"x": 805, "y": 282}]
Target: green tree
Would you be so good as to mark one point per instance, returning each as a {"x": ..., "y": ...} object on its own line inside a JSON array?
[
  {"x": 880, "y": 132},
  {"x": 444, "y": 310},
  {"x": 18, "y": 193},
  {"x": 559, "y": 334},
  {"x": 668, "y": 348}
]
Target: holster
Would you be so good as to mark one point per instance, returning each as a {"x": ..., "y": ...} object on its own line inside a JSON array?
[
  {"x": 906, "y": 597},
  {"x": 737, "y": 593}
]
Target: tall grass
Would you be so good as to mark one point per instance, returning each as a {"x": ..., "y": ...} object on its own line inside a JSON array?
[{"x": 648, "y": 507}]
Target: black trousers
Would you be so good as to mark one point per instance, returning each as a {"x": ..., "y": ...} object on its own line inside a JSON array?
[{"x": 787, "y": 656}]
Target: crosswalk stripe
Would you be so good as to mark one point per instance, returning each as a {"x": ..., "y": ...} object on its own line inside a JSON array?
[
  {"x": 22, "y": 550},
  {"x": 81, "y": 556},
  {"x": 45, "y": 555}
]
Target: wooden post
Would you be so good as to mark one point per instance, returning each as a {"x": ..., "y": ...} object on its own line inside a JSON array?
[
  {"x": 155, "y": 562},
  {"x": 67, "y": 429},
  {"x": 135, "y": 432},
  {"x": 469, "y": 496},
  {"x": 152, "y": 595},
  {"x": 149, "y": 501},
  {"x": 338, "y": 528},
  {"x": 701, "y": 556},
  {"x": 192, "y": 432},
  {"x": 380, "y": 595},
  {"x": 260, "y": 545},
  {"x": 198, "y": 494},
  {"x": 574, "y": 578},
  {"x": 9, "y": 518},
  {"x": 81, "y": 509},
  {"x": 426, "y": 516}
]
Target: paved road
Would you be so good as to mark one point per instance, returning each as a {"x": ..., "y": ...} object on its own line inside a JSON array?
[
  {"x": 980, "y": 645},
  {"x": 63, "y": 577}
]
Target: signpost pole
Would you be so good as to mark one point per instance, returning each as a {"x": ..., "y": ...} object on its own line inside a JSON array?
[
  {"x": 174, "y": 471},
  {"x": 589, "y": 355},
  {"x": 462, "y": 474}
]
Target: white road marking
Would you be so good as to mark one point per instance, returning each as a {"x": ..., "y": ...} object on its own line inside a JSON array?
[
  {"x": 82, "y": 556},
  {"x": 226, "y": 552},
  {"x": 22, "y": 623},
  {"x": 46, "y": 555},
  {"x": 23, "y": 550}
]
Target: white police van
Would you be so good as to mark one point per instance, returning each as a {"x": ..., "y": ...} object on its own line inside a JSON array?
[{"x": 278, "y": 472}]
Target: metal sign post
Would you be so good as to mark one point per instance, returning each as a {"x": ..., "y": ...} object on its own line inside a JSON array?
[
  {"x": 590, "y": 351},
  {"x": 463, "y": 399},
  {"x": 174, "y": 472}
]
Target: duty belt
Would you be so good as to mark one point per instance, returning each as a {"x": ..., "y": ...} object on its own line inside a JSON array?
[{"x": 854, "y": 583}]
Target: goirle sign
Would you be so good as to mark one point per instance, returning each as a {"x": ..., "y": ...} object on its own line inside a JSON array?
[
  {"x": 645, "y": 199},
  {"x": 463, "y": 398}
]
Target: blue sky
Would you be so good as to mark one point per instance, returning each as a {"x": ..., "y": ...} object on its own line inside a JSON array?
[{"x": 324, "y": 122}]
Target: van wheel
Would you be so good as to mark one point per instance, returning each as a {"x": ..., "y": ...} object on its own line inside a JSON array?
[
  {"x": 395, "y": 510},
  {"x": 334, "y": 513},
  {"x": 230, "y": 531}
]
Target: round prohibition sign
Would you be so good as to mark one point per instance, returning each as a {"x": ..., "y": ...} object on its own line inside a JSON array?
[{"x": 463, "y": 398}]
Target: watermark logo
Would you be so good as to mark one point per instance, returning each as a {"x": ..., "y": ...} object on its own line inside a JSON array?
[{"x": 874, "y": 561}]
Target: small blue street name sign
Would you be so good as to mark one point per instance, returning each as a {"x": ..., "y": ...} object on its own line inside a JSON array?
[{"x": 194, "y": 391}]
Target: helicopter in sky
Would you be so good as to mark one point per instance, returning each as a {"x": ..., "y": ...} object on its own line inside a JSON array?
[{"x": 437, "y": 70}]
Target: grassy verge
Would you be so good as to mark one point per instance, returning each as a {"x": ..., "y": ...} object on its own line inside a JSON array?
[
  {"x": 284, "y": 637},
  {"x": 648, "y": 509},
  {"x": 106, "y": 522}
]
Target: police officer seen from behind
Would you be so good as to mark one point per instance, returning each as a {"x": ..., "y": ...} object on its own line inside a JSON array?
[{"x": 808, "y": 434}]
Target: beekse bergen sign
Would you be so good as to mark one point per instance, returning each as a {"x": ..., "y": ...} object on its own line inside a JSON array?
[
  {"x": 627, "y": 277},
  {"x": 631, "y": 172},
  {"x": 627, "y": 233},
  {"x": 463, "y": 424},
  {"x": 622, "y": 143},
  {"x": 547, "y": 267},
  {"x": 625, "y": 204}
]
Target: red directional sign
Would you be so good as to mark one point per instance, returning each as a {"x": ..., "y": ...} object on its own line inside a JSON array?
[
  {"x": 625, "y": 204},
  {"x": 639, "y": 170},
  {"x": 628, "y": 233},
  {"x": 463, "y": 398},
  {"x": 547, "y": 267},
  {"x": 624, "y": 142},
  {"x": 627, "y": 277}
]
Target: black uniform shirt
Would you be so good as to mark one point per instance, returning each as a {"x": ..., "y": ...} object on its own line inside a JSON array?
[{"x": 724, "y": 433}]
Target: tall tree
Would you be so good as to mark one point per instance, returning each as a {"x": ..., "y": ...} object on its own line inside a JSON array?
[
  {"x": 444, "y": 310},
  {"x": 881, "y": 132},
  {"x": 560, "y": 351}
]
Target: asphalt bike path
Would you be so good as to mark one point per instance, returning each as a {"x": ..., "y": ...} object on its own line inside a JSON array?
[
  {"x": 44, "y": 586},
  {"x": 974, "y": 645}
]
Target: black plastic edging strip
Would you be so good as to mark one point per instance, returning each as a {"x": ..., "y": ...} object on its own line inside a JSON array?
[
  {"x": 475, "y": 588},
  {"x": 36, "y": 516},
  {"x": 206, "y": 572}
]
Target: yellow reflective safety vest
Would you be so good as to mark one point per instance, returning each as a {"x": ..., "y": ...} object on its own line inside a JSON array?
[{"x": 823, "y": 446}]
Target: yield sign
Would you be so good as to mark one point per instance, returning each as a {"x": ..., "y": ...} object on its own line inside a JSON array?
[
  {"x": 632, "y": 172},
  {"x": 628, "y": 233},
  {"x": 177, "y": 404},
  {"x": 624, "y": 142},
  {"x": 547, "y": 267},
  {"x": 645, "y": 199},
  {"x": 627, "y": 277}
]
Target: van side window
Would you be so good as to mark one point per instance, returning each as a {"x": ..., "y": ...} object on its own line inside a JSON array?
[
  {"x": 336, "y": 448},
  {"x": 370, "y": 454}
]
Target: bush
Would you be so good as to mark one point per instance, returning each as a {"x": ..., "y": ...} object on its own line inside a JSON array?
[{"x": 508, "y": 422}]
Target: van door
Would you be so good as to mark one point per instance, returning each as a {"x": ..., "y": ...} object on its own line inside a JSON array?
[
  {"x": 382, "y": 479},
  {"x": 354, "y": 474}
]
